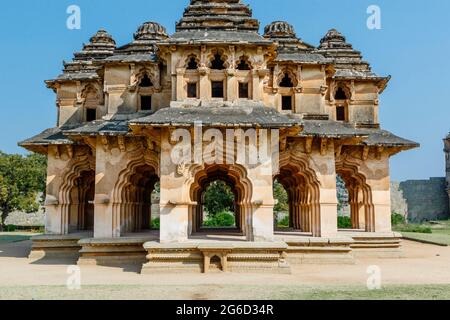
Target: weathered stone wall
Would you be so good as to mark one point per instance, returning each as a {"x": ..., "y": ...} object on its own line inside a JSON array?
[
  {"x": 23, "y": 219},
  {"x": 398, "y": 201},
  {"x": 426, "y": 199}
]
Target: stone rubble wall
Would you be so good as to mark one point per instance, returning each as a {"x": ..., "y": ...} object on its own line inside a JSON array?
[
  {"x": 22, "y": 219},
  {"x": 424, "y": 200}
]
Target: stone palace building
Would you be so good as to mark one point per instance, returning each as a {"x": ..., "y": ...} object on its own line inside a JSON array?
[{"x": 123, "y": 112}]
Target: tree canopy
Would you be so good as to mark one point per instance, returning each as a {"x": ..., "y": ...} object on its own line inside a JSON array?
[
  {"x": 218, "y": 198},
  {"x": 22, "y": 179}
]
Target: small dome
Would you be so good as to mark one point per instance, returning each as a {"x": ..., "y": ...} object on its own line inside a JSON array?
[
  {"x": 332, "y": 36},
  {"x": 279, "y": 29},
  {"x": 151, "y": 31},
  {"x": 101, "y": 45},
  {"x": 102, "y": 37}
]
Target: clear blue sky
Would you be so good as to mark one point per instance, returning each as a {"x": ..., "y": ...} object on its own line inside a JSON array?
[{"x": 413, "y": 46}]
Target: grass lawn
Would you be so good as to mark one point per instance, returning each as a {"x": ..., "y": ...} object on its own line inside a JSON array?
[
  {"x": 9, "y": 237},
  {"x": 228, "y": 292},
  {"x": 440, "y": 233}
]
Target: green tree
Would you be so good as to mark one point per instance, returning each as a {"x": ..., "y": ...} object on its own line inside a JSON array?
[
  {"x": 22, "y": 179},
  {"x": 281, "y": 197},
  {"x": 218, "y": 198}
]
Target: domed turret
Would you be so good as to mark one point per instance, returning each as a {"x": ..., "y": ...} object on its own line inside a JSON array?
[
  {"x": 151, "y": 31},
  {"x": 101, "y": 45},
  {"x": 333, "y": 39},
  {"x": 279, "y": 29}
]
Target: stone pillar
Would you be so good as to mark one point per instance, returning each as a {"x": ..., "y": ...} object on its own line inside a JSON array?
[
  {"x": 324, "y": 217},
  {"x": 257, "y": 85},
  {"x": 232, "y": 86},
  {"x": 180, "y": 90},
  {"x": 174, "y": 204},
  {"x": 378, "y": 178},
  {"x": 104, "y": 183},
  {"x": 205, "y": 84}
]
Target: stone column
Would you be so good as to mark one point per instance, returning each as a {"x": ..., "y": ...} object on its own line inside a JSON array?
[
  {"x": 174, "y": 204},
  {"x": 181, "y": 92},
  {"x": 232, "y": 86},
  {"x": 324, "y": 216}
]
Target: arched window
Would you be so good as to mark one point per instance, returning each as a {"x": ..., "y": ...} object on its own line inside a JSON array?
[
  {"x": 145, "y": 93},
  {"x": 286, "y": 82},
  {"x": 192, "y": 63},
  {"x": 146, "y": 82},
  {"x": 243, "y": 64},
  {"x": 217, "y": 63},
  {"x": 340, "y": 94},
  {"x": 91, "y": 102}
]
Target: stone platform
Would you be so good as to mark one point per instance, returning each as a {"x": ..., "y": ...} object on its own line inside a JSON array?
[
  {"x": 57, "y": 246},
  {"x": 115, "y": 252},
  {"x": 218, "y": 252},
  {"x": 253, "y": 257},
  {"x": 376, "y": 245}
]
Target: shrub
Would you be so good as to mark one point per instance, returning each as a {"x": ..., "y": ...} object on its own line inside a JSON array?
[
  {"x": 414, "y": 228},
  {"x": 397, "y": 219},
  {"x": 10, "y": 228},
  {"x": 222, "y": 219},
  {"x": 156, "y": 224},
  {"x": 345, "y": 223},
  {"x": 283, "y": 223}
]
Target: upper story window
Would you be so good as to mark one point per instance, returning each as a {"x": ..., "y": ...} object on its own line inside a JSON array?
[
  {"x": 192, "y": 90},
  {"x": 341, "y": 113},
  {"x": 91, "y": 101},
  {"x": 217, "y": 90},
  {"x": 243, "y": 90},
  {"x": 146, "y": 103},
  {"x": 286, "y": 82},
  {"x": 145, "y": 93},
  {"x": 192, "y": 63},
  {"x": 91, "y": 114},
  {"x": 217, "y": 63},
  {"x": 286, "y": 103},
  {"x": 243, "y": 64}
]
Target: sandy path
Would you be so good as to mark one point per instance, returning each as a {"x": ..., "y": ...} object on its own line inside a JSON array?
[{"x": 423, "y": 264}]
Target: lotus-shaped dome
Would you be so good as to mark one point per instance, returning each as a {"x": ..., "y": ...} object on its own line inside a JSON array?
[
  {"x": 279, "y": 29},
  {"x": 151, "y": 31}
]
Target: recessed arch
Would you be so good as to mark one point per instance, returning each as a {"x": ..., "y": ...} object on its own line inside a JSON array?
[{"x": 360, "y": 196}]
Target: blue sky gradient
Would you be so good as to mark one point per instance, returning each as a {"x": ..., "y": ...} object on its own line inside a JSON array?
[{"x": 413, "y": 46}]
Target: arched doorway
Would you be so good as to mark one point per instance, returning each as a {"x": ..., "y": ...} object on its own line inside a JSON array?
[
  {"x": 134, "y": 197},
  {"x": 219, "y": 207},
  {"x": 81, "y": 208},
  {"x": 302, "y": 195},
  {"x": 233, "y": 181},
  {"x": 356, "y": 195}
]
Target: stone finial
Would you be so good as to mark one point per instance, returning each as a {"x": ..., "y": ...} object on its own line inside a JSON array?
[{"x": 151, "y": 31}]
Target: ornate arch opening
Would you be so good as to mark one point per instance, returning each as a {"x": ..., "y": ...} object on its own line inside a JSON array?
[
  {"x": 76, "y": 197},
  {"x": 360, "y": 203},
  {"x": 133, "y": 200},
  {"x": 91, "y": 98},
  {"x": 235, "y": 178},
  {"x": 192, "y": 62},
  {"x": 303, "y": 195},
  {"x": 244, "y": 64},
  {"x": 218, "y": 60}
]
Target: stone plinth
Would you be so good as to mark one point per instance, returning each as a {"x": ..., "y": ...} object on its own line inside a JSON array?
[
  {"x": 320, "y": 251},
  {"x": 56, "y": 246},
  {"x": 376, "y": 245},
  {"x": 112, "y": 252},
  {"x": 209, "y": 257}
]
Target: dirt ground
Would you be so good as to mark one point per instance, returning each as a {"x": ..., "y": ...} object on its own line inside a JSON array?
[{"x": 423, "y": 273}]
